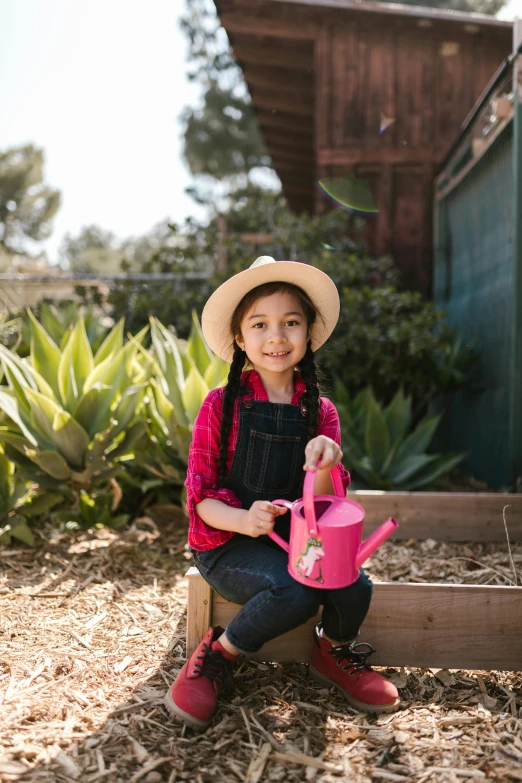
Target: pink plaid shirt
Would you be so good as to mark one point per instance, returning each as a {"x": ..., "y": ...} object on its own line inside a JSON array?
[{"x": 202, "y": 473}]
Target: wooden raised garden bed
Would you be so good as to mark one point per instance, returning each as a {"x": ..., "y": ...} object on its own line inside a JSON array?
[{"x": 419, "y": 625}]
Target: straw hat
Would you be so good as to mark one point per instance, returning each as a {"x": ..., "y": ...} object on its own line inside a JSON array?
[{"x": 218, "y": 311}]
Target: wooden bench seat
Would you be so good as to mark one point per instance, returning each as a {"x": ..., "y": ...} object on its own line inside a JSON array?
[{"x": 422, "y": 625}]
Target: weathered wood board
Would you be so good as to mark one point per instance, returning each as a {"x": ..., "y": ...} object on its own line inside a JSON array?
[
  {"x": 421, "y": 625},
  {"x": 444, "y": 516}
]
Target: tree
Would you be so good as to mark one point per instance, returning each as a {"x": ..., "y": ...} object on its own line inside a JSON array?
[
  {"x": 222, "y": 140},
  {"x": 27, "y": 204},
  {"x": 93, "y": 250}
]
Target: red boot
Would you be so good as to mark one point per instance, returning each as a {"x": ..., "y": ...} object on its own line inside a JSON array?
[
  {"x": 345, "y": 667},
  {"x": 194, "y": 694}
]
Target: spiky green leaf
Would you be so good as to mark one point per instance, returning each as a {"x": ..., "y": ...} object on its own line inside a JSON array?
[
  {"x": 409, "y": 466},
  {"x": 193, "y": 394},
  {"x": 129, "y": 441},
  {"x": 418, "y": 441},
  {"x": 68, "y": 437},
  {"x": 93, "y": 411},
  {"x": 45, "y": 354},
  {"x": 51, "y": 463},
  {"x": 376, "y": 435},
  {"x": 51, "y": 323},
  {"x": 40, "y": 504},
  {"x": 21, "y": 530},
  {"x": 10, "y": 407},
  {"x": 443, "y": 464},
  {"x": 76, "y": 364},
  {"x": 216, "y": 373},
  {"x": 197, "y": 348},
  {"x": 185, "y": 437},
  {"x": 129, "y": 407},
  {"x": 112, "y": 343},
  {"x": 398, "y": 416}
]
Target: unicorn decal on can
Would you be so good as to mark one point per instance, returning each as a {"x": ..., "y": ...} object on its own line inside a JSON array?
[{"x": 309, "y": 563}]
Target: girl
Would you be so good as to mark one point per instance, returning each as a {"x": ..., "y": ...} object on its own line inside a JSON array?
[{"x": 252, "y": 441}]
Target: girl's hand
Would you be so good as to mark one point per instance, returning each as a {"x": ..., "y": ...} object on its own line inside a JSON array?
[
  {"x": 324, "y": 449},
  {"x": 261, "y": 517}
]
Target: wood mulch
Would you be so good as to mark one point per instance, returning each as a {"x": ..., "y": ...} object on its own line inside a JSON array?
[{"x": 92, "y": 632}]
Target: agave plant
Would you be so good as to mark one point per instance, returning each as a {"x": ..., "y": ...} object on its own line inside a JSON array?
[
  {"x": 183, "y": 375},
  {"x": 380, "y": 446},
  {"x": 59, "y": 320},
  {"x": 74, "y": 416},
  {"x": 10, "y": 332},
  {"x": 19, "y": 503}
]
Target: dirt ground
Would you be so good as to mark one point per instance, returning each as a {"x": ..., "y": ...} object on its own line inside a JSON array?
[{"x": 92, "y": 633}]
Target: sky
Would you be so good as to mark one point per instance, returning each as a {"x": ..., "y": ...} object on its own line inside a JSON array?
[{"x": 100, "y": 87}]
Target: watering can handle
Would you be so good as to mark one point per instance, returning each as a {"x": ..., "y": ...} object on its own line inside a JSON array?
[
  {"x": 282, "y": 543},
  {"x": 308, "y": 495}
]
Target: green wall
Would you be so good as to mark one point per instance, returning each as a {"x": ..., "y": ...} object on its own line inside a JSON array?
[{"x": 474, "y": 282}]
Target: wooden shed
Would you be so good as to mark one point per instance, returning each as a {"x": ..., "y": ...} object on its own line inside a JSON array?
[{"x": 322, "y": 73}]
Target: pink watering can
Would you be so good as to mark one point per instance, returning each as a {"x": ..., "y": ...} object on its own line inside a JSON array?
[{"x": 325, "y": 547}]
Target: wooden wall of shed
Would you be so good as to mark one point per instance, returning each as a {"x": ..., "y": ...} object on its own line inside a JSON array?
[{"x": 428, "y": 81}]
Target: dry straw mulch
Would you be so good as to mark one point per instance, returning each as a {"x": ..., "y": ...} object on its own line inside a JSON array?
[{"x": 92, "y": 633}]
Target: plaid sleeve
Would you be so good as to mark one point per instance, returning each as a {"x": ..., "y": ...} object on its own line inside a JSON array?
[
  {"x": 330, "y": 426},
  {"x": 203, "y": 471}
]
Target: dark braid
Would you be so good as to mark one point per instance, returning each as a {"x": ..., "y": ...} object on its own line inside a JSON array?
[
  {"x": 231, "y": 393},
  {"x": 310, "y": 397}
]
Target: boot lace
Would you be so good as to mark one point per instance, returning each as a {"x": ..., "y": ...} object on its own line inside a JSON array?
[
  {"x": 214, "y": 666},
  {"x": 356, "y": 656}
]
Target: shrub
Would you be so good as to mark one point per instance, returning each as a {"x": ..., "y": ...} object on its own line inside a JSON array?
[
  {"x": 382, "y": 447},
  {"x": 73, "y": 417},
  {"x": 389, "y": 338},
  {"x": 20, "y": 504}
]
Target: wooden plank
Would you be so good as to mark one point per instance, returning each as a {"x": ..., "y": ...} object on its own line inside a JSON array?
[
  {"x": 273, "y": 119},
  {"x": 414, "y": 12},
  {"x": 280, "y": 79},
  {"x": 304, "y": 171},
  {"x": 422, "y": 625},
  {"x": 379, "y": 95},
  {"x": 409, "y": 243},
  {"x": 354, "y": 156},
  {"x": 453, "y": 98},
  {"x": 323, "y": 86},
  {"x": 443, "y": 516},
  {"x": 321, "y": 203},
  {"x": 303, "y": 157},
  {"x": 199, "y": 609},
  {"x": 283, "y": 142},
  {"x": 343, "y": 82},
  {"x": 246, "y": 24},
  {"x": 416, "y": 88},
  {"x": 263, "y": 99},
  {"x": 280, "y": 56}
]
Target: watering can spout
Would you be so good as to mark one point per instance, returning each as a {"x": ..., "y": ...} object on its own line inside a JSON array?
[{"x": 369, "y": 546}]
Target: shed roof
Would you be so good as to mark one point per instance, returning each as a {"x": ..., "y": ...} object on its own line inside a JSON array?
[
  {"x": 400, "y": 9},
  {"x": 274, "y": 42}
]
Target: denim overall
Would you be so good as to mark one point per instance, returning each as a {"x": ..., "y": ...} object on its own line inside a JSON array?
[{"x": 268, "y": 464}]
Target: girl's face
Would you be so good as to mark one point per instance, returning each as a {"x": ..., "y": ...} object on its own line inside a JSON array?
[{"x": 274, "y": 333}]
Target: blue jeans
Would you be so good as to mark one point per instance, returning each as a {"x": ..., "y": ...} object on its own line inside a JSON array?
[{"x": 253, "y": 572}]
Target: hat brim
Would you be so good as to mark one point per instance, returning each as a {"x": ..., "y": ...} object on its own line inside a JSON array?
[{"x": 219, "y": 309}]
